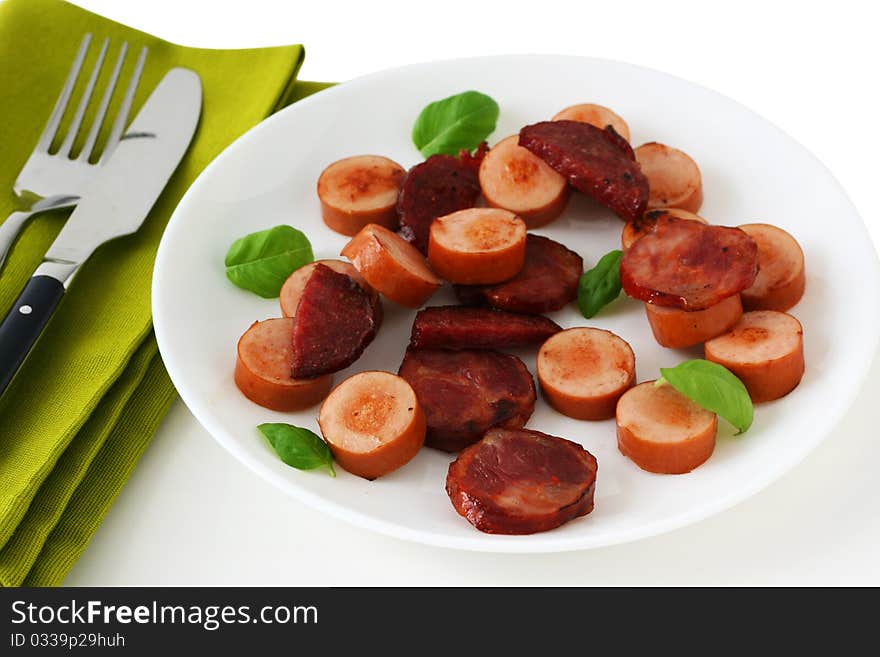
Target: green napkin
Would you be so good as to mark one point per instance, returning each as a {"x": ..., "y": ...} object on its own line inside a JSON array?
[{"x": 86, "y": 402}]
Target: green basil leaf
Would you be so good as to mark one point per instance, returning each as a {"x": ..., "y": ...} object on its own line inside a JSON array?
[
  {"x": 459, "y": 122},
  {"x": 601, "y": 285},
  {"x": 261, "y": 262},
  {"x": 298, "y": 447},
  {"x": 714, "y": 387}
]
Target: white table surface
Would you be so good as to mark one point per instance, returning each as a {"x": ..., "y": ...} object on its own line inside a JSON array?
[{"x": 192, "y": 515}]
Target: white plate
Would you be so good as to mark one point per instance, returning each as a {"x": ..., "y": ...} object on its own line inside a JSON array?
[{"x": 751, "y": 172}]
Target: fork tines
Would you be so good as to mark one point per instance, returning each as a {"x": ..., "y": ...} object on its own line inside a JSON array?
[{"x": 49, "y": 133}]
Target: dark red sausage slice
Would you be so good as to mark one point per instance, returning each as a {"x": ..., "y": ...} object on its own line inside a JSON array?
[
  {"x": 688, "y": 265},
  {"x": 464, "y": 393},
  {"x": 440, "y": 185},
  {"x": 460, "y": 327},
  {"x": 335, "y": 321},
  {"x": 599, "y": 163},
  {"x": 548, "y": 281},
  {"x": 522, "y": 482}
]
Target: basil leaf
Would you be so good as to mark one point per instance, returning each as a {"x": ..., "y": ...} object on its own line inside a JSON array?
[
  {"x": 298, "y": 447},
  {"x": 459, "y": 122},
  {"x": 601, "y": 285},
  {"x": 714, "y": 387},
  {"x": 261, "y": 262}
]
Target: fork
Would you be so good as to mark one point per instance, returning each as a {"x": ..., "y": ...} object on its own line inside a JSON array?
[{"x": 53, "y": 180}]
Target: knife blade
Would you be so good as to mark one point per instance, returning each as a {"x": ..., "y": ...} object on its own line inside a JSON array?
[{"x": 114, "y": 205}]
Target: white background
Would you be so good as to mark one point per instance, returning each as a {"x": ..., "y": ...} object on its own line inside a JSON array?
[{"x": 192, "y": 515}]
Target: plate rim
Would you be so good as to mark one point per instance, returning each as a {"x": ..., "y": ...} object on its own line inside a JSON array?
[{"x": 479, "y": 543}]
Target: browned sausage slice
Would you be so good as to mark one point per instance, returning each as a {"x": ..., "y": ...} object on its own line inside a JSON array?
[
  {"x": 464, "y": 393},
  {"x": 513, "y": 178},
  {"x": 522, "y": 482},
  {"x": 688, "y": 265},
  {"x": 765, "y": 350},
  {"x": 373, "y": 423},
  {"x": 293, "y": 287},
  {"x": 663, "y": 431},
  {"x": 335, "y": 321},
  {"x": 477, "y": 245},
  {"x": 440, "y": 185},
  {"x": 633, "y": 230},
  {"x": 596, "y": 115},
  {"x": 360, "y": 190},
  {"x": 781, "y": 280},
  {"x": 678, "y": 329},
  {"x": 583, "y": 371},
  {"x": 392, "y": 266},
  {"x": 599, "y": 163},
  {"x": 461, "y": 327},
  {"x": 262, "y": 371},
  {"x": 548, "y": 281},
  {"x": 673, "y": 177}
]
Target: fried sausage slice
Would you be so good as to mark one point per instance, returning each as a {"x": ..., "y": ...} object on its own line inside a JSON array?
[
  {"x": 663, "y": 431},
  {"x": 392, "y": 266},
  {"x": 515, "y": 179},
  {"x": 335, "y": 321},
  {"x": 461, "y": 327},
  {"x": 673, "y": 177},
  {"x": 293, "y": 287},
  {"x": 464, "y": 393},
  {"x": 781, "y": 279},
  {"x": 583, "y": 371},
  {"x": 522, "y": 482},
  {"x": 548, "y": 281},
  {"x": 765, "y": 349},
  {"x": 440, "y": 185},
  {"x": 599, "y": 163},
  {"x": 372, "y": 423},
  {"x": 360, "y": 190},
  {"x": 262, "y": 370},
  {"x": 477, "y": 245},
  {"x": 633, "y": 230},
  {"x": 596, "y": 115},
  {"x": 688, "y": 265},
  {"x": 678, "y": 329}
]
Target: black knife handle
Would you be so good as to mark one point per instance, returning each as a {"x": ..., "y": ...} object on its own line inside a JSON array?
[{"x": 26, "y": 319}]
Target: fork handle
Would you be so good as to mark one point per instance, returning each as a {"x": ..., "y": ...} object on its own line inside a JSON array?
[
  {"x": 25, "y": 321},
  {"x": 10, "y": 229}
]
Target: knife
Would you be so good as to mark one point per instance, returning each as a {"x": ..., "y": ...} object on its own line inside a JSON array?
[{"x": 114, "y": 205}]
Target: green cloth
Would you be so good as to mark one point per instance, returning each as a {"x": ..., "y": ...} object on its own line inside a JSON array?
[{"x": 93, "y": 390}]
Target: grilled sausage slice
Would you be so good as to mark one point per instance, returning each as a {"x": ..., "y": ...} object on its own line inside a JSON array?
[
  {"x": 461, "y": 327},
  {"x": 360, "y": 190},
  {"x": 262, "y": 371},
  {"x": 673, "y": 177},
  {"x": 335, "y": 321},
  {"x": 599, "y": 163},
  {"x": 633, "y": 230},
  {"x": 477, "y": 246},
  {"x": 293, "y": 287},
  {"x": 781, "y": 280},
  {"x": 596, "y": 115},
  {"x": 688, "y": 265},
  {"x": 464, "y": 393},
  {"x": 548, "y": 281},
  {"x": 522, "y": 482},
  {"x": 392, "y": 266},
  {"x": 583, "y": 371},
  {"x": 678, "y": 329},
  {"x": 440, "y": 185},
  {"x": 515, "y": 179},
  {"x": 663, "y": 431},
  {"x": 372, "y": 423},
  {"x": 765, "y": 349}
]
